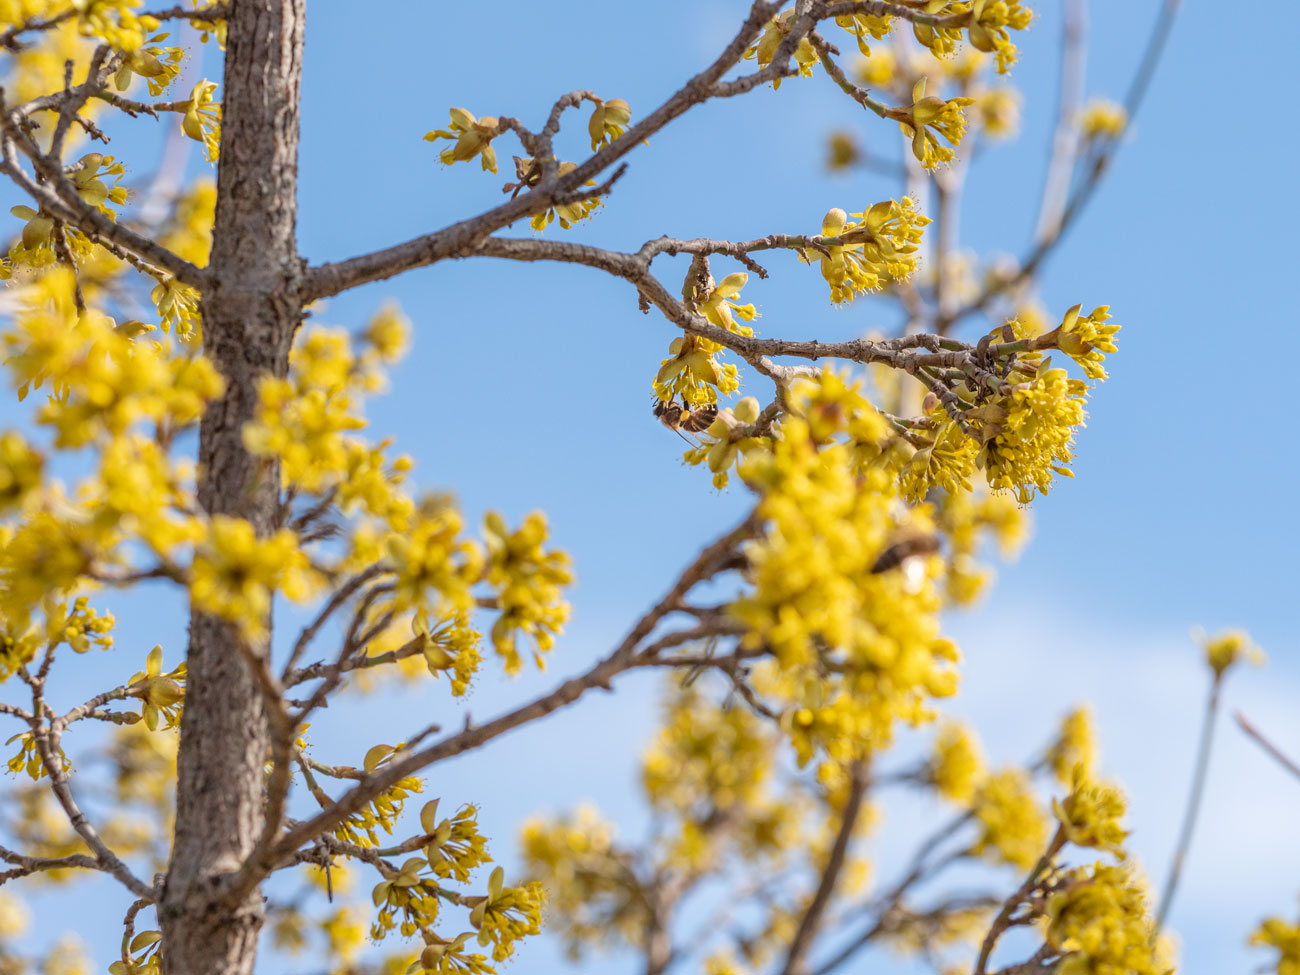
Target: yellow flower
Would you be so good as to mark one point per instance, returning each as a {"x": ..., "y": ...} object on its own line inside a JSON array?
[
  {"x": 1027, "y": 434},
  {"x": 470, "y": 137},
  {"x": 21, "y": 469},
  {"x": 1091, "y": 815},
  {"x": 528, "y": 583},
  {"x": 927, "y": 118},
  {"x": 1013, "y": 827},
  {"x": 805, "y": 55},
  {"x": 1225, "y": 649},
  {"x": 1102, "y": 119},
  {"x": 608, "y": 121},
  {"x": 990, "y": 23},
  {"x": 998, "y": 111},
  {"x": 957, "y": 767},
  {"x": 202, "y": 119},
  {"x": 14, "y": 918},
  {"x": 430, "y": 559},
  {"x": 1084, "y": 338},
  {"x": 1075, "y": 746},
  {"x": 507, "y": 914},
  {"x": 345, "y": 932},
  {"x": 1276, "y": 933},
  {"x": 1100, "y": 919},
  {"x": 878, "y": 247},
  {"x": 692, "y": 370},
  {"x": 160, "y": 693},
  {"x": 863, "y": 26},
  {"x": 879, "y": 70},
  {"x": 235, "y": 573}
]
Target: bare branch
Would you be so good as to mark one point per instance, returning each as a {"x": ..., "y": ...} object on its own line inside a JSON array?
[
  {"x": 796, "y": 959},
  {"x": 1003, "y": 921},
  {"x": 1282, "y": 758},
  {"x": 459, "y": 239},
  {"x": 25, "y": 865},
  {"x": 1083, "y": 193},
  {"x": 1065, "y": 141}
]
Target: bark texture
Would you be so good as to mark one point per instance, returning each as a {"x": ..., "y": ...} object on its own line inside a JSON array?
[{"x": 251, "y": 309}]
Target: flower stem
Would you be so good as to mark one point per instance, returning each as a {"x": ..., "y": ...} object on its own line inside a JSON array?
[{"x": 1193, "y": 804}]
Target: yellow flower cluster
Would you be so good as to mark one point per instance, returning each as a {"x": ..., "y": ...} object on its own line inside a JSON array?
[
  {"x": 580, "y": 867},
  {"x": 964, "y": 518},
  {"x": 1013, "y": 828},
  {"x": 452, "y": 646},
  {"x": 528, "y": 582},
  {"x": 456, "y": 847},
  {"x": 528, "y": 173},
  {"x": 805, "y": 55},
  {"x": 1277, "y": 933},
  {"x": 142, "y": 955},
  {"x": 80, "y": 628},
  {"x": 235, "y": 573},
  {"x": 160, "y": 693},
  {"x": 1225, "y": 649},
  {"x": 1075, "y": 747},
  {"x": 304, "y": 420},
  {"x": 945, "y": 461},
  {"x": 863, "y": 26},
  {"x": 159, "y": 66},
  {"x": 147, "y": 494},
  {"x": 103, "y": 380},
  {"x": 725, "y": 442},
  {"x": 178, "y": 308},
  {"x": 708, "y": 765},
  {"x": 1102, "y": 119},
  {"x": 1084, "y": 338},
  {"x": 28, "y": 757},
  {"x": 448, "y": 957},
  {"x": 928, "y": 118},
  {"x": 855, "y": 650},
  {"x": 705, "y": 757},
  {"x": 188, "y": 231},
  {"x": 345, "y": 933},
  {"x": 1027, "y": 434},
  {"x": 1101, "y": 921},
  {"x": 41, "y": 557},
  {"x": 432, "y": 559},
  {"x": 608, "y": 120},
  {"x": 382, "y": 811},
  {"x": 506, "y": 914},
  {"x": 21, "y": 469},
  {"x": 692, "y": 370},
  {"x": 957, "y": 766},
  {"x": 116, "y": 22},
  {"x": 202, "y": 119},
  {"x": 405, "y": 900},
  {"x": 1090, "y": 815},
  {"x": 878, "y": 247},
  {"x": 470, "y": 137},
  {"x": 987, "y": 23},
  {"x": 998, "y": 112}
]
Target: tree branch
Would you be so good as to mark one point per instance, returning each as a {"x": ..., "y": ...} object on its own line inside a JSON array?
[
  {"x": 623, "y": 658},
  {"x": 796, "y": 959}
]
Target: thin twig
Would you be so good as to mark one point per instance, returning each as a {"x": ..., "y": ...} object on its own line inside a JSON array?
[
  {"x": 1282, "y": 759},
  {"x": 1193, "y": 802},
  {"x": 796, "y": 958}
]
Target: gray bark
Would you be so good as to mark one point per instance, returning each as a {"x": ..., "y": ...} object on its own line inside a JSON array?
[{"x": 251, "y": 309}]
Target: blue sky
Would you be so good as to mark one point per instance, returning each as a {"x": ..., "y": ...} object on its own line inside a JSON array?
[{"x": 528, "y": 388}]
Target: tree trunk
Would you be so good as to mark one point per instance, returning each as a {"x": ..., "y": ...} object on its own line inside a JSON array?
[{"x": 251, "y": 309}]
